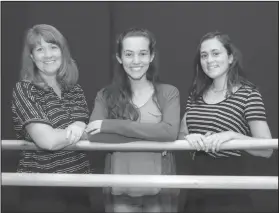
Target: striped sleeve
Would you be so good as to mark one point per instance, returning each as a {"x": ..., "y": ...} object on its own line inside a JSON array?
[
  {"x": 188, "y": 103},
  {"x": 25, "y": 106},
  {"x": 254, "y": 107},
  {"x": 80, "y": 99}
]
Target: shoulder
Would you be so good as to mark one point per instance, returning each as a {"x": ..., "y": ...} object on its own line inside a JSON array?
[
  {"x": 250, "y": 95},
  {"x": 24, "y": 86},
  {"x": 76, "y": 89},
  {"x": 167, "y": 90},
  {"x": 249, "y": 90},
  {"x": 101, "y": 94}
]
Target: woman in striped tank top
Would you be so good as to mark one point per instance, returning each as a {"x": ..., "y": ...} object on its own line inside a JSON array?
[{"x": 222, "y": 105}]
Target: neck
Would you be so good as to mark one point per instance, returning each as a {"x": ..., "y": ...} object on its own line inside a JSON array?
[
  {"x": 219, "y": 84},
  {"x": 139, "y": 85},
  {"x": 50, "y": 80}
]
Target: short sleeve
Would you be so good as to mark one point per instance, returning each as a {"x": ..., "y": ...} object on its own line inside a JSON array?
[
  {"x": 80, "y": 100},
  {"x": 25, "y": 107},
  {"x": 254, "y": 107},
  {"x": 188, "y": 103}
]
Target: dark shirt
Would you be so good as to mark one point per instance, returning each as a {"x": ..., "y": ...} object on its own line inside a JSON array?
[
  {"x": 32, "y": 104},
  {"x": 231, "y": 114}
]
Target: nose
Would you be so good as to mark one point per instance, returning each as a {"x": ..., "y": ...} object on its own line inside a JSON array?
[
  {"x": 210, "y": 59},
  {"x": 48, "y": 53},
  {"x": 136, "y": 59}
]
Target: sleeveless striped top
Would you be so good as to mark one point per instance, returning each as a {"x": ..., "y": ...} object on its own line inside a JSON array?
[{"x": 231, "y": 114}]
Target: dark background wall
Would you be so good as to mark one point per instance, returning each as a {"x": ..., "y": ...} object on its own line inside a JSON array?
[{"x": 91, "y": 29}]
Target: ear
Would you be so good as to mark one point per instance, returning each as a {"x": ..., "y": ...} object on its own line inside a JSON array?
[
  {"x": 118, "y": 59},
  {"x": 152, "y": 57},
  {"x": 230, "y": 58},
  {"x": 31, "y": 56}
]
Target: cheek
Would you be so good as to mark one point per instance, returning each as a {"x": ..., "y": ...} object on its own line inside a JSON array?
[
  {"x": 203, "y": 64},
  {"x": 223, "y": 61},
  {"x": 60, "y": 60},
  {"x": 38, "y": 62},
  {"x": 36, "y": 57},
  {"x": 125, "y": 63},
  {"x": 59, "y": 54},
  {"x": 225, "y": 64}
]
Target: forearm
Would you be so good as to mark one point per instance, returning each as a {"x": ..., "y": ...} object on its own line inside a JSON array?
[
  {"x": 261, "y": 153},
  {"x": 144, "y": 131},
  {"x": 110, "y": 138},
  {"x": 47, "y": 137},
  {"x": 59, "y": 140}
]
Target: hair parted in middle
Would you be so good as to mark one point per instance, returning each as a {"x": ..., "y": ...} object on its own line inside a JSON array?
[
  {"x": 235, "y": 75},
  {"x": 119, "y": 94},
  {"x": 67, "y": 74}
]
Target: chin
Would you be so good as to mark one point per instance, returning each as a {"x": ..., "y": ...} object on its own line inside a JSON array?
[
  {"x": 51, "y": 72},
  {"x": 136, "y": 77},
  {"x": 213, "y": 75}
]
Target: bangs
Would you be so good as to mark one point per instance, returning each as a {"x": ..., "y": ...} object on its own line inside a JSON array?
[{"x": 35, "y": 39}]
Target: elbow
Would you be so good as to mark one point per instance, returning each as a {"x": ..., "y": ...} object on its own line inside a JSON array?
[
  {"x": 171, "y": 135},
  {"x": 181, "y": 136},
  {"x": 53, "y": 148},
  {"x": 45, "y": 147},
  {"x": 267, "y": 153},
  {"x": 48, "y": 144}
]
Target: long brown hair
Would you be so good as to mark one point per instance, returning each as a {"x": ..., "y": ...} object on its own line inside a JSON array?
[
  {"x": 67, "y": 74},
  {"x": 235, "y": 75},
  {"x": 119, "y": 93}
]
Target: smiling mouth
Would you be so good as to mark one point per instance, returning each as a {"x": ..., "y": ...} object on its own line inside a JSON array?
[
  {"x": 213, "y": 67},
  {"x": 49, "y": 62},
  {"x": 136, "y": 68}
]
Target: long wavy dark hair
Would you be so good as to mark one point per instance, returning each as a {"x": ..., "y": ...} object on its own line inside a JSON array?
[
  {"x": 119, "y": 94},
  {"x": 67, "y": 74},
  {"x": 235, "y": 75}
]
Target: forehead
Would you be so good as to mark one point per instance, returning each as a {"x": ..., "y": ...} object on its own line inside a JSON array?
[
  {"x": 211, "y": 44},
  {"x": 135, "y": 43},
  {"x": 42, "y": 42}
]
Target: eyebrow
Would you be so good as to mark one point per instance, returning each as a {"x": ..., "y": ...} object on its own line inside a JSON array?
[
  {"x": 210, "y": 50},
  {"x": 133, "y": 51}
]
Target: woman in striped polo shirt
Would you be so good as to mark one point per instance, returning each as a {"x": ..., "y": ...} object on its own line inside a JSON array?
[
  {"x": 222, "y": 105},
  {"x": 49, "y": 108}
]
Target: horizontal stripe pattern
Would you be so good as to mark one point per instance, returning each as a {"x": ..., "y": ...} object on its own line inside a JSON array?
[
  {"x": 32, "y": 104},
  {"x": 231, "y": 114}
]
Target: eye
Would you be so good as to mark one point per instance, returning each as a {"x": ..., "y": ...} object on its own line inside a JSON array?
[
  {"x": 203, "y": 56},
  {"x": 54, "y": 47},
  {"x": 39, "y": 49},
  {"x": 216, "y": 53},
  {"x": 127, "y": 54},
  {"x": 143, "y": 53}
]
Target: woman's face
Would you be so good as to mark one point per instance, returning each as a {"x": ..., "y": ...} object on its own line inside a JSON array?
[
  {"x": 47, "y": 57},
  {"x": 135, "y": 57},
  {"x": 214, "y": 58}
]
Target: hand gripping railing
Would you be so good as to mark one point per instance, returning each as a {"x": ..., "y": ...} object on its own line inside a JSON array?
[{"x": 162, "y": 181}]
